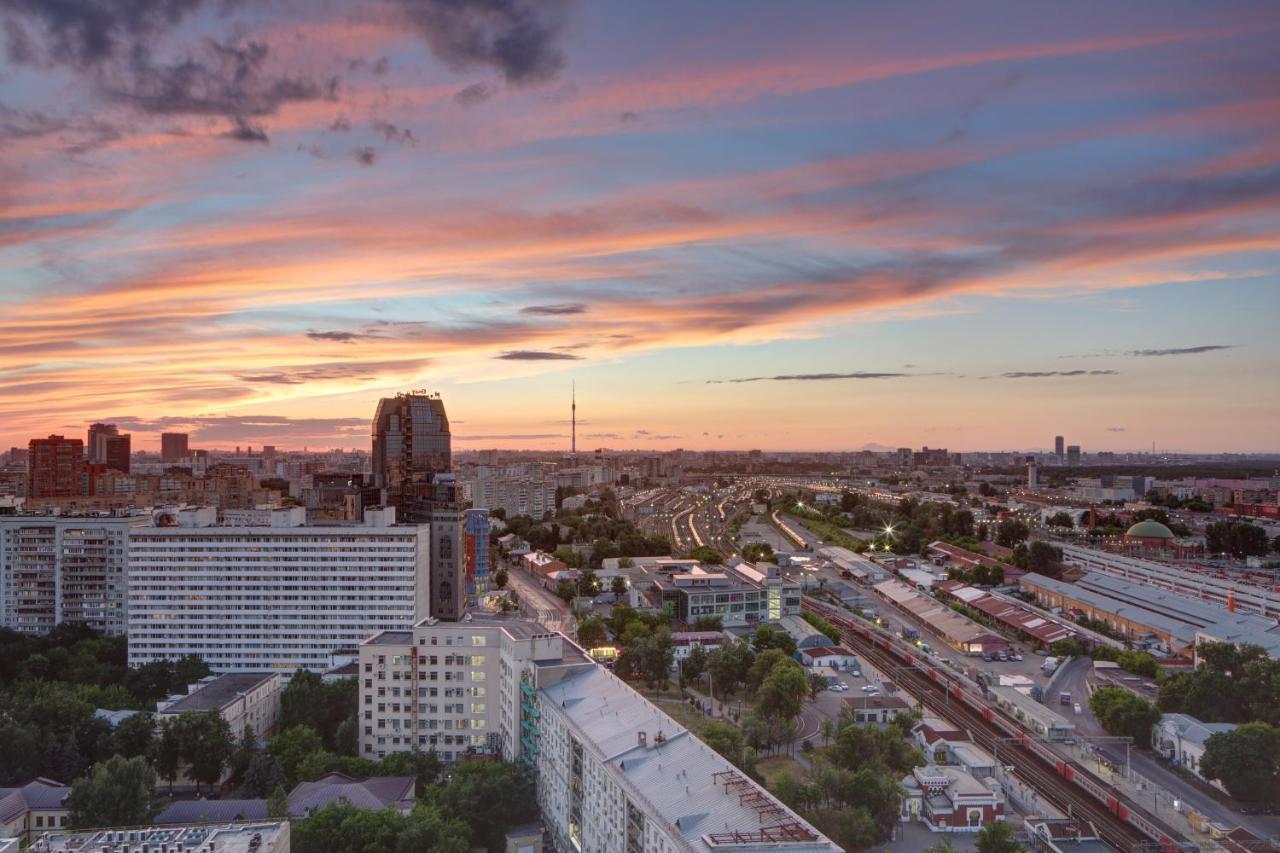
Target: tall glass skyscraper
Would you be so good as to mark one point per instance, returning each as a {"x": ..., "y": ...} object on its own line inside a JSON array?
[
  {"x": 411, "y": 461},
  {"x": 411, "y": 441}
]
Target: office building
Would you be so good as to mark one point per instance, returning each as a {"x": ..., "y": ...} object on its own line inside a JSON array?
[
  {"x": 742, "y": 595},
  {"x": 411, "y": 440},
  {"x": 255, "y": 599},
  {"x": 173, "y": 446},
  {"x": 1033, "y": 475},
  {"x": 63, "y": 569},
  {"x": 55, "y": 467},
  {"x": 1073, "y": 454},
  {"x": 1059, "y": 448}
]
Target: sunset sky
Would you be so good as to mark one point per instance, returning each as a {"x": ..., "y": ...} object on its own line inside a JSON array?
[{"x": 734, "y": 225}]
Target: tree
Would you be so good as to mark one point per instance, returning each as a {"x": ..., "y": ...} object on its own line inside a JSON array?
[
  {"x": 263, "y": 775},
  {"x": 311, "y": 701},
  {"x": 133, "y": 736},
  {"x": 997, "y": 837},
  {"x": 245, "y": 751},
  {"x": 1124, "y": 714},
  {"x": 118, "y": 792},
  {"x": 291, "y": 747},
  {"x": 763, "y": 664},
  {"x": 592, "y": 632},
  {"x": 492, "y": 797},
  {"x": 278, "y": 803},
  {"x": 767, "y": 637},
  {"x": 729, "y": 665},
  {"x": 1011, "y": 531},
  {"x": 1246, "y": 761},
  {"x": 1240, "y": 539},
  {"x": 618, "y": 586},
  {"x": 706, "y": 554},
  {"x": 564, "y": 591},
  {"x": 423, "y": 766},
  {"x": 500, "y": 579},
  {"x": 695, "y": 663},
  {"x": 207, "y": 746},
  {"x": 167, "y": 751},
  {"x": 707, "y": 623},
  {"x": 724, "y": 738},
  {"x": 1061, "y": 519}
]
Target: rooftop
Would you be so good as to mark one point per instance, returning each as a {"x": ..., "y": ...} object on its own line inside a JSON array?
[
  {"x": 1149, "y": 529},
  {"x": 271, "y": 836},
  {"x": 1191, "y": 729},
  {"x": 40, "y": 793},
  {"x": 693, "y": 788},
  {"x": 219, "y": 693}
]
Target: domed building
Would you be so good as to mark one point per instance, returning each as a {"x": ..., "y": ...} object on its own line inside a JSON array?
[{"x": 1149, "y": 538}]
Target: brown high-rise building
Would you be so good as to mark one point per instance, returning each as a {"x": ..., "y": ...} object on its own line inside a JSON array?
[
  {"x": 55, "y": 467},
  {"x": 173, "y": 446},
  {"x": 108, "y": 446},
  {"x": 411, "y": 441}
]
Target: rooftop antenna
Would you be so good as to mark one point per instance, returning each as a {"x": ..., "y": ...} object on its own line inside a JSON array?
[{"x": 573, "y": 435}]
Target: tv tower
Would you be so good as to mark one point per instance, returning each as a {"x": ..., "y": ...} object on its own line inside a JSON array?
[{"x": 573, "y": 430}]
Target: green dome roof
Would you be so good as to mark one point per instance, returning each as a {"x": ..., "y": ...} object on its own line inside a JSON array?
[{"x": 1149, "y": 529}]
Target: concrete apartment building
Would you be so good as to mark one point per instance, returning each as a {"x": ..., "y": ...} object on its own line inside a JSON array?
[
  {"x": 241, "y": 698},
  {"x": 614, "y": 773},
  {"x": 267, "y": 598},
  {"x": 455, "y": 686},
  {"x": 57, "y": 569}
]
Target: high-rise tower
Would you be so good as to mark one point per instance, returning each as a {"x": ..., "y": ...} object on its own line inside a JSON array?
[
  {"x": 573, "y": 430},
  {"x": 411, "y": 440},
  {"x": 411, "y": 465}
]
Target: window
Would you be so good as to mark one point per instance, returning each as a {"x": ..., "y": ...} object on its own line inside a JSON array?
[{"x": 477, "y": 641}]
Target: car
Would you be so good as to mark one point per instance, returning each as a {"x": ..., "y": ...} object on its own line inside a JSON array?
[
  {"x": 988, "y": 657},
  {"x": 1017, "y": 658},
  {"x": 868, "y": 688},
  {"x": 1002, "y": 656}
]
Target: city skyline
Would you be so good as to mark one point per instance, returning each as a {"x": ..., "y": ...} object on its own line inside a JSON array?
[{"x": 733, "y": 227}]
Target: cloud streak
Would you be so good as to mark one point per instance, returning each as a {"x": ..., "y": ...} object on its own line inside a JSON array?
[
  {"x": 810, "y": 377},
  {"x": 1156, "y": 353}
]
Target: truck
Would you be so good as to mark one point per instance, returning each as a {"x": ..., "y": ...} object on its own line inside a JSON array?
[
  {"x": 1064, "y": 698},
  {"x": 909, "y": 633},
  {"x": 1049, "y": 665}
]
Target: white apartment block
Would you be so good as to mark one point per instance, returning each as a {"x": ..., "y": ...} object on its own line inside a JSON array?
[
  {"x": 454, "y": 687},
  {"x": 57, "y": 569},
  {"x": 255, "y": 599},
  {"x": 614, "y": 773},
  {"x": 514, "y": 495},
  {"x": 617, "y": 775}
]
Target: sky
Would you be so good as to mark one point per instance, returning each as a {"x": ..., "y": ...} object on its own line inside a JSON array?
[{"x": 734, "y": 225}]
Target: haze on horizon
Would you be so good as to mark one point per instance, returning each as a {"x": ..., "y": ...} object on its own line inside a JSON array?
[{"x": 732, "y": 225}]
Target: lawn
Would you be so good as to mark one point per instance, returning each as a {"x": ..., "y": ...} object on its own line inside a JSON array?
[{"x": 771, "y": 766}]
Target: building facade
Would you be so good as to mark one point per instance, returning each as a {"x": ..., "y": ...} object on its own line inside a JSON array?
[
  {"x": 411, "y": 439},
  {"x": 173, "y": 446},
  {"x": 244, "y": 699},
  {"x": 455, "y": 687},
  {"x": 57, "y": 569},
  {"x": 55, "y": 467},
  {"x": 254, "y": 599}
]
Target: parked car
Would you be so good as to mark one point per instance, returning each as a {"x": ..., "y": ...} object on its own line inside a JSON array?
[
  {"x": 1002, "y": 656},
  {"x": 988, "y": 657},
  {"x": 1017, "y": 657}
]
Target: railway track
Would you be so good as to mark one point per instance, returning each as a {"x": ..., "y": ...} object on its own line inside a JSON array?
[{"x": 1122, "y": 825}]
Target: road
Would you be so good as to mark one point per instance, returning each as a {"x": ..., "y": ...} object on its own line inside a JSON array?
[
  {"x": 540, "y": 604},
  {"x": 1205, "y": 799}
]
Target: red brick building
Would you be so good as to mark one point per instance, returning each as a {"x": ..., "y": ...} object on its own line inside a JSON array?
[{"x": 55, "y": 467}]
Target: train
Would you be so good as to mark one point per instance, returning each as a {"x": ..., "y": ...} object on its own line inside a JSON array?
[{"x": 1071, "y": 771}]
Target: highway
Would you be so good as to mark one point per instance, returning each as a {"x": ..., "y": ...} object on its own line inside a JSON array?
[{"x": 1029, "y": 767}]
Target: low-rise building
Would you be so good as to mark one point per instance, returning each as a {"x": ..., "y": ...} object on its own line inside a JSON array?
[
  {"x": 947, "y": 799},
  {"x": 270, "y": 836},
  {"x": 836, "y": 657},
  {"x": 683, "y": 642},
  {"x": 876, "y": 708},
  {"x": 33, "y": 808},
  {"x": 1181, "y": 739},
  {"x": 743, "y": 595},
  {"x": 805, "y": 635},
  {"x": 244, "y": 699},
  {"x": 375, "y": 794}
]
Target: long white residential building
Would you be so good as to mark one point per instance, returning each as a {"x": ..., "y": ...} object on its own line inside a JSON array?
[
  {"x": 271, "y": 598},
  {"x": 614, "y": 773},
  {"x": 56, "y": 569}
]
